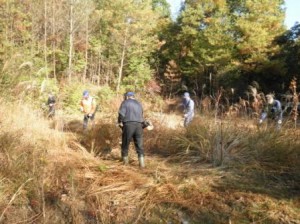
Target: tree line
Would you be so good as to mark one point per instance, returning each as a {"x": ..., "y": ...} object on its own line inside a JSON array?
[{"x": 125, "y": 44}]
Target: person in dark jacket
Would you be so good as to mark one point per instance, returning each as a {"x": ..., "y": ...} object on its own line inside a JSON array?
[
  {"x": 130, "y": 119},
  {"x": 51, "y": 104}
]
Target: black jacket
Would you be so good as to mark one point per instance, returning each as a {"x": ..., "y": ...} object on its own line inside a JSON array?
[
  {"x": 51, "y": 100},
  {"x": 130, "y": 111}
]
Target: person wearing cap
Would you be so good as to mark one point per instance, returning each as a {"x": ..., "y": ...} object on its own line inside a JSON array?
[
  {"x": 188, "y": 109},
  {"x": 272, "y": 110},
  {"x": 130, "y": 119},
  {"x": 88, "y": 107}
]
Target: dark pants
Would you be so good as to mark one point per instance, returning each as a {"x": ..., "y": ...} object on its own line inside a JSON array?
[
  {"x": 132, "y": 130},
  {"x": 51, "y": 112},
  {"x": 86, "y": 120}
]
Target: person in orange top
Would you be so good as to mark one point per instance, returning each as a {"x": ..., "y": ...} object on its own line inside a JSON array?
[{"x": 88, "y": 107}]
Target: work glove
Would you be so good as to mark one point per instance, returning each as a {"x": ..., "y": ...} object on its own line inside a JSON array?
[
  {"x": 145, "y": 124},
  {"x": 279, "y": 121},
  {"x": 260, "y": 121},
  {"x": 120, "y": 125}
]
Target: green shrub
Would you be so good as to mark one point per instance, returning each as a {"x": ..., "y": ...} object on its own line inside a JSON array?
[
  {"x": 71, "y": 96},
  {"x": 105, "y": 93}
]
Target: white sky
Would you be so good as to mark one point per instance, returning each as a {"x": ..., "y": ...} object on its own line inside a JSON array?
[
  {"x": 292, "y": 10},
  {"x": 175, "y": 6}
]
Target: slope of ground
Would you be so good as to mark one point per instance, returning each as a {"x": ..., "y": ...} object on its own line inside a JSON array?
[{"x": 80, "y": 179}]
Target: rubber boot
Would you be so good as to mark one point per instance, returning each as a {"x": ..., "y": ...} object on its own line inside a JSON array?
[
  {"x": 141, "y": 162},
  {"x": 125, "y": 160}
]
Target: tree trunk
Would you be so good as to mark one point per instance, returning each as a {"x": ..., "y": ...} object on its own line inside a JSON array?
[
  {"x": 86, "y": 49},
  {"x": 122, "y": 61},
  {"x": 45, "y": 38},
  {"x": 71, "y": 43},
  {"x": 99, "y": 66},
  {"x": 53, "y": 41}
]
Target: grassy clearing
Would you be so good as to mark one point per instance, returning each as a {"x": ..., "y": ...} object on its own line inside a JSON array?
[{"x": 48, "y": 176}]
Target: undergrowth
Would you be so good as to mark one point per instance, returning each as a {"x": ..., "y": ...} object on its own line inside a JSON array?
[{"x": 208, "y": 173}]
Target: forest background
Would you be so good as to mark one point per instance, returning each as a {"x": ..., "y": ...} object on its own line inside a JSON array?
[
  {"x": 132, "y": 45},
  {"x": 222, "y": 169}
]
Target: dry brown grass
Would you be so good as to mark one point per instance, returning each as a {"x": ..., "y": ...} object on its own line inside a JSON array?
[
  {"x": 48, "y": 176},
  {"x": 25, "y": 139}
]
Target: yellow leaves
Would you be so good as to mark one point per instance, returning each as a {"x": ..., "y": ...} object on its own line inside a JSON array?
[
  {"x": 207, "y": 19},
  {"x": 220, "y": 3}
]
